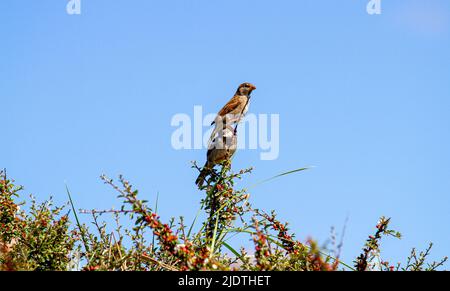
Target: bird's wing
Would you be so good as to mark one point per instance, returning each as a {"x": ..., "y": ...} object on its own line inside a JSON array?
[{"x": 230, "y": 106}]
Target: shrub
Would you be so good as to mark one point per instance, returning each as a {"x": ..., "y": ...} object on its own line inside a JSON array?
[{"x": 45, "y": 239}]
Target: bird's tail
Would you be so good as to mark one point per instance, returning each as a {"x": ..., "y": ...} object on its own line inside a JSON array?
[{"x": 201, "y": 177}]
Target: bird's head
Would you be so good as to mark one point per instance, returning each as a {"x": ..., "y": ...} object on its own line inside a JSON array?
[{"x": 245, "y": 89}]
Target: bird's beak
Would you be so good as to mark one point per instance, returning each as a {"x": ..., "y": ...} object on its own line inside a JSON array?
[{"x": 253, "y": 87}]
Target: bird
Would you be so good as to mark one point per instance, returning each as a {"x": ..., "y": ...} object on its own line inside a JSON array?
[
  {"x": 235, "y": 108},
  {"x": 221, "y": 149}
]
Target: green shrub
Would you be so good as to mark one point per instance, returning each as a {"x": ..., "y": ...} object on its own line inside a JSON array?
[{"x": 44, "y": 238}]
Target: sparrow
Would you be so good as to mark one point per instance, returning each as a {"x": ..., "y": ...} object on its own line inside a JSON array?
[
  {"x": 221, "y": 149},
  {"x": 235, "y": 109}
]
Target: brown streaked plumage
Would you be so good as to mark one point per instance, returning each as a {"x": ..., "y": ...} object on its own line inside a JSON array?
[
  {"x": 221, "y": 149},
  {"x": 235, "y": 109},
  {"x": 236, "y": 104}
]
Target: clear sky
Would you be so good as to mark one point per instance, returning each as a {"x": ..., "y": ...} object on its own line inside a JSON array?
[{"x": 363, "y": 98}]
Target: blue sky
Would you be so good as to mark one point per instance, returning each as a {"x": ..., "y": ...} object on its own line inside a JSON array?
[{"x": 364, "y": 99}]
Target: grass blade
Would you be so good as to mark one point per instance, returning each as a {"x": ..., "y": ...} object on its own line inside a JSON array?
[
  {"x": 156, "y": 211},
  {"x": 193, "y": 222},
  {"x": 238, "y": 255},
  {"x": 78, "y": 221},
  {"x": 279, "y": 175}
]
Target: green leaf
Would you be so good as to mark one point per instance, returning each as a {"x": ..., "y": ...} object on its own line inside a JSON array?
[
  {"x": 280, "y": 175},
  {"x": 233, "y": 251},
  {"x": 76, "y": 218}
]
